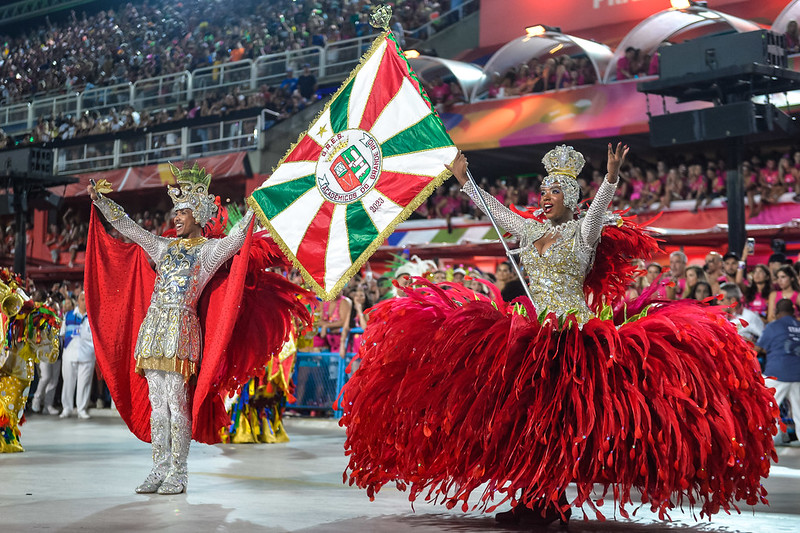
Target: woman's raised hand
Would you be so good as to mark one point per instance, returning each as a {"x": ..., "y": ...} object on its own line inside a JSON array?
[
  {"x": 616, "y": 157},
  {"x": 459, "y": 167}
]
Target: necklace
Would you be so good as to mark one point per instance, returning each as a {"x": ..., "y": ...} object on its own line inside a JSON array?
[{"x": 560, "y": 229}]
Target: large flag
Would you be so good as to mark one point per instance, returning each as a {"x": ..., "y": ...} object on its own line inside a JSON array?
[{"x": 374, "y": 154}]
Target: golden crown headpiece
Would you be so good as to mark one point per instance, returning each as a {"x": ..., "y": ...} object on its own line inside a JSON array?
[
  {"x": 192, "y": 192},
  {"x": 563, "y": 164}
]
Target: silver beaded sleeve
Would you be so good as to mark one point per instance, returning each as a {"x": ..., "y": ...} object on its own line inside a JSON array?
[
  {"x": 505, "y": 217},
  {"x": 592, "y": 223},
  {"x": 220, "y": 250},
  {"x": 152, "y": 244}
]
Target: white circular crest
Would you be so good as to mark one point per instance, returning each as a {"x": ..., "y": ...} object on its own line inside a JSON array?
[{"x": 349, "y": 166}]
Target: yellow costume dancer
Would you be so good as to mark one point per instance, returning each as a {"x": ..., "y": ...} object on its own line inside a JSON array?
[
  {"x": 257, "y": 411},
  {"x": 29, "y": 336}
]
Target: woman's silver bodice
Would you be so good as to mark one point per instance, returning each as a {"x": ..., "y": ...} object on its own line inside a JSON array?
[{"x": 555, "y": 275}]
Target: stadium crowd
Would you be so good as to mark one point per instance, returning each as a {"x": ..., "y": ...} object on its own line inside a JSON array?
[
  {"x": 154, "y": 38},
  {"x": 644, "y": 187}
]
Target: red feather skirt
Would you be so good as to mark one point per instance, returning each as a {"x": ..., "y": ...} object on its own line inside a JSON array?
[{"x": 457, "y": 392}]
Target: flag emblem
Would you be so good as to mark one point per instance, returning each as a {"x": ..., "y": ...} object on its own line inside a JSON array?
[
  {"x": 372, "y": 156},
  {"x": 349, "y": 166}
]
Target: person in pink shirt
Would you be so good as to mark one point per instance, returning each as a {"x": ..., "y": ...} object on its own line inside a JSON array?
[
  {"x": 786, "y": 173},
  {"x": 771, "y": 185},
  {"x": 756, "y": 294},
  {"x": 439, "y": 91},
  {"x": 625, "y": 64}
]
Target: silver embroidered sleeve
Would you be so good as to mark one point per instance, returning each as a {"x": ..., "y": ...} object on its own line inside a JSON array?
[
  {"x": 592, "y": 224},
  {"x": 505, "y": 218},
  {"x": 227, "y": 247},
  {"x": 152, "y": 244}
]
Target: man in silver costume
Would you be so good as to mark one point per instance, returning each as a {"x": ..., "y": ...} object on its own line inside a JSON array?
[{"x": 169, "y": 345}]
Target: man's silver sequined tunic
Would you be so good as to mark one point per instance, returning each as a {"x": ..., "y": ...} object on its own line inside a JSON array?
[
  {"x": 556, "y": 276},
  {"x": 170, "y": 338}
]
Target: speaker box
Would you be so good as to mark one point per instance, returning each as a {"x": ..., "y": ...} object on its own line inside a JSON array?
[
  {"x": 29, "y": 162},
  {"x": 707, "y": 54},
  {"x": 739, "y": 119}
]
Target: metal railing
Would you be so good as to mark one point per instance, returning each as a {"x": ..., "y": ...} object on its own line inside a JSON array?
[
  {"x": 326, "y": 63},
  {"x": 184, "y": 143},
  {"x": 319, "y": 378},
  {"x": 329, "y": 63}
]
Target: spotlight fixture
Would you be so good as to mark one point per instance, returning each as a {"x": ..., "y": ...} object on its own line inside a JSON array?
[{"x": 540, "y": 29}]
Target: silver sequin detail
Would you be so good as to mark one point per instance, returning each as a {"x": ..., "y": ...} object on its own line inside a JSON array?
[
  {"x": 171, "y": 430},
  {"x": 171, "y": 328},
  {"x": 556, "y": 276},
  {"x": 159, "y": 431}
]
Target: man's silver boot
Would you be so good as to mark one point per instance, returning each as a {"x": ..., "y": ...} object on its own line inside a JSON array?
[
  {"x": 159, "y": 435},
  {"x": 178, "y": 474}
]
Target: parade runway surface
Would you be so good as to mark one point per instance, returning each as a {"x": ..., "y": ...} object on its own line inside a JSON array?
[{"x": 79, "y": 475}]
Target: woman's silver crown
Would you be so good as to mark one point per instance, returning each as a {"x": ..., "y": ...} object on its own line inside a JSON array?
[{"x": 563, "y": 159}]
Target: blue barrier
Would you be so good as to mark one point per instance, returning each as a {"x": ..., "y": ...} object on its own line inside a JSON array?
[{"x": 318, "y": 378}]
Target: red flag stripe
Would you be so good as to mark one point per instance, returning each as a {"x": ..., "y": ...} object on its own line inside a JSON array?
[
  {"x": 306, "y": 150},
  {"x": 401, "y": 188},
  {"x": 388, "y": 81},
  {"x": 313, "y": 248}
]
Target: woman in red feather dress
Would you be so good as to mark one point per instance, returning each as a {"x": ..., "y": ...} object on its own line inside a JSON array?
[{"x": 458, "y": 391}]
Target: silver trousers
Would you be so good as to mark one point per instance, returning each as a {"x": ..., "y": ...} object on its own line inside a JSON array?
[{"x": 170, "y": 425}]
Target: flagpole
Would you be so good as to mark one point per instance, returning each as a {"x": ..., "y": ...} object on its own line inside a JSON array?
[{"x": 500, "y": 234}]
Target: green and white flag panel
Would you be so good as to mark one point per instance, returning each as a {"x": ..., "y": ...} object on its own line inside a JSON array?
[{"x": 373, "y": 155}]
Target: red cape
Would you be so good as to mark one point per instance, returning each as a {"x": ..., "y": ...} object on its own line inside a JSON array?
[{"x": 119, "y": 283}]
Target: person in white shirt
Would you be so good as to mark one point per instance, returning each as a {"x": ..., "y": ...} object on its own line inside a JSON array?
[
  {"x": 748, "y": 322},
  {"x": 77, "y": 361}
]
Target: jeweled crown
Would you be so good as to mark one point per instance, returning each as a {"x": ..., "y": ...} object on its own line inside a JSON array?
[
  {"x": 565, "y": 160},
  {"x": 192, "y": 192}
]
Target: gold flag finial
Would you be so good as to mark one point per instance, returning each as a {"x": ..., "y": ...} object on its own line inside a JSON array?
[{"x": 381, "y": 16}]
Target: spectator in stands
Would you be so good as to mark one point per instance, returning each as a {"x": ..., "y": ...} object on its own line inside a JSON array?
[
  {"x": 307, "y": 84},
  {"x": 52, "y": 241},
  {"x": 653, "y": 189},
  {"x": 771, "y": 186},
  {"x": 715, "y": 178},
  {"x": 780, "y": 344},
  {"x": 694, "y": 275},
  {"x": 792, "y": 38},
  {"x": 752, "y": 187},
  {"x": 637, "y": 185},
  {"x": 748, "y": 323},
  {"x": 732, "y": 269},
  {"x": 627, "y": 64},
  {"x": 787, "y": 174},
  {"x": 654, "y": 271},
  {"x": 358, "y": 318},
  {"x": 776, "y": 261},
  {"x": 677, "y": 275},
  {"x": 439, "y": 91},
  {"x": 701, "y": 291},
  {"x": 757, "y": 292},
  {"x": 511, "y": 284},
  {"x": 787, "y": 288}
]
